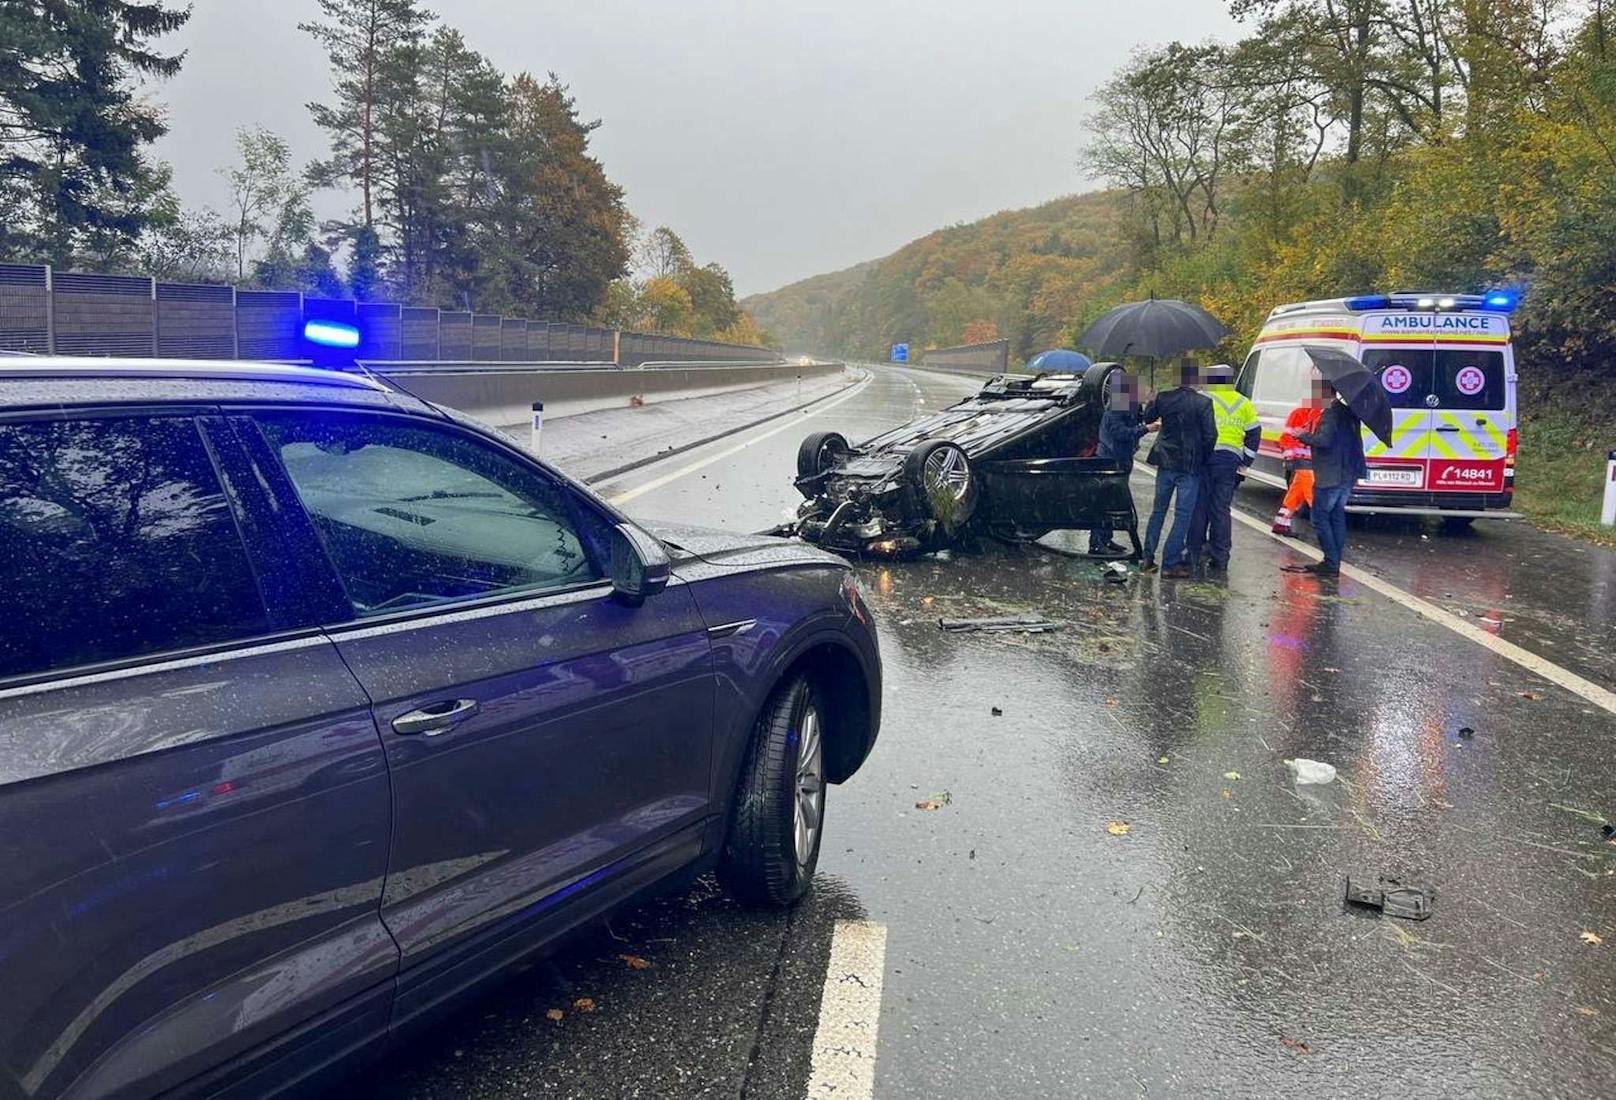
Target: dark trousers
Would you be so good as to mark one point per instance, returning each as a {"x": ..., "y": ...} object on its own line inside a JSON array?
[
  {"x": 1330, "y": 520},
  {"x": 1178, "y": 491},
  {"x": 1213, "y": 522}
]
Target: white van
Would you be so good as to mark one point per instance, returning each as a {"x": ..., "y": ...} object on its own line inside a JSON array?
[{"x": 1448, "y": 368}]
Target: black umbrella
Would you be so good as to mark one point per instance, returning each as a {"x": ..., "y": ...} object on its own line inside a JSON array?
[
  {"x": 1358, "y": 386},
  {"x": 1156, "y": 327}
]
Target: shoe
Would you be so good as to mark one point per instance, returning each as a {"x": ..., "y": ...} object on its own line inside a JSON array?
[
  {"x": 1218, "y": 567},
  {"x": 1322, "y": 569},
  {"x": 1281, "y": 529},
  {"x": 1149, "y": 566},
  {"x": 1178, "y": 572}
]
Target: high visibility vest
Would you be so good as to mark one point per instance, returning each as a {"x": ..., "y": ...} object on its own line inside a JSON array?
[{"x": 1235, "y": 416}]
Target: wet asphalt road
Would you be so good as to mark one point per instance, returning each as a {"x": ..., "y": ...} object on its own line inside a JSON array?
[{"x": 1031, "y": 952}]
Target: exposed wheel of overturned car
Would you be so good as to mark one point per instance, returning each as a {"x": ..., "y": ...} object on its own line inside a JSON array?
[
  {"x": 774, "y": 833},
  {"x": 819, "y": 451},
  {"x": 944, "y": 486}
]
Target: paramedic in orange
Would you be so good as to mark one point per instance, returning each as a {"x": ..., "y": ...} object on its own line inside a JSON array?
[{"x": 1298, "y": 458}]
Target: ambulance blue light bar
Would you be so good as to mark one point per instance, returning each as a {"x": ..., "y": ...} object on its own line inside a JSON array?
[
  {"x": 331, "y": 334},
  {"x": 1496, "y": 301}
]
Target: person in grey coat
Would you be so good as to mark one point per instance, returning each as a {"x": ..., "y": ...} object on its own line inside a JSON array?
[{"x": 1338, "y": 465}]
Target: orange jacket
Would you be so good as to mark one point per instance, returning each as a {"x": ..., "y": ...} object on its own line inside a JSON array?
[{"x": 1303, "y": 418}]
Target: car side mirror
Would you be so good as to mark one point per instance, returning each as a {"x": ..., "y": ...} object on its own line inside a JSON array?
[{"x": 640, "y": 566}]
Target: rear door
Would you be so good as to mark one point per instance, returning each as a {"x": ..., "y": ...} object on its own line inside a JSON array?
[
  {"x": 1473, "y": 418},
  {"x": 547, "y": 743},
  {"x": 194, "y": 806},
  {"x": 1406, "y": 372}
]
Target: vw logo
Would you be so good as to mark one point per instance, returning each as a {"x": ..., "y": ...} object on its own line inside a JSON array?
[{"x": 1431, "y": 401}]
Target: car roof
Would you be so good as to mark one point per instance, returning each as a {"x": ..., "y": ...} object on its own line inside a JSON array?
[{"x": 44, "y": 381}]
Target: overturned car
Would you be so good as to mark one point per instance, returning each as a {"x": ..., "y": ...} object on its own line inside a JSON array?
[{"x": 1015, "y": 462}]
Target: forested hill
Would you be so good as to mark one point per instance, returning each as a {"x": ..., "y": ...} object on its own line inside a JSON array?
[{"x": 1031, "y": 275}]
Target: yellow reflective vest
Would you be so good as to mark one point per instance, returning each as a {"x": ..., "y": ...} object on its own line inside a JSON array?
[{"x": 1237, "y": 420}]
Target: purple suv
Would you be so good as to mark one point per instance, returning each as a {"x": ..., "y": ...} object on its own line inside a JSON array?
[{"x": 319, "y": 705}]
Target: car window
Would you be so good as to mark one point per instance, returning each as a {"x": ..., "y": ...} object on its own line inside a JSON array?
[
  {"x": 1248, "y": 374},
  {"x": 413, "y": 515},
  {"x": 1404, "y": 373},
  {"x": 1469, "y": 379},
  {"x": 116, "y": 541},
  {"x": 1282, "y": 376}
]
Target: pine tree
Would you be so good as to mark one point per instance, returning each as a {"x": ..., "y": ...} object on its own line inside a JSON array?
[{"x": 72, "y": 130}]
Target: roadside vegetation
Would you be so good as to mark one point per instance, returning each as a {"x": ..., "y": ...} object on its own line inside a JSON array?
[
  {"x": 471, "y": 188},
  {"x": 1341, "y": 147}
]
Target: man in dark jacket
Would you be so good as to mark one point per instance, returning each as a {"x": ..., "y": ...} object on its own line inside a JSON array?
[
  {"x": 1338, "y": 464},
  {"x": 1120, "y": 432},
  {"x": 1188, "y": 435}
]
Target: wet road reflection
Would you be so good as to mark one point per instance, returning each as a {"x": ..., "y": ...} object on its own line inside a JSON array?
[{"x": 1202, "y": 945}]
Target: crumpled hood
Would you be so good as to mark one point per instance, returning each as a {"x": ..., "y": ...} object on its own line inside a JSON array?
[{"x": 730, "y": 548}]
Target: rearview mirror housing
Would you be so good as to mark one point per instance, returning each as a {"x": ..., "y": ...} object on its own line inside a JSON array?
[{"x": 640, "y": 565}]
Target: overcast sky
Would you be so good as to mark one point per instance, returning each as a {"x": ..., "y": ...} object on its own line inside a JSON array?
[{"x": 780, "y": 138}]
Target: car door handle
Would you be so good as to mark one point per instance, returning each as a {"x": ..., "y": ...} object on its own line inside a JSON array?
[
  {"x": 435, "y": 718},
  {"x": 1449, "y": 428}
]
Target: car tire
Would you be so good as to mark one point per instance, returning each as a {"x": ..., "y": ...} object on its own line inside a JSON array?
[
  {"x": 936, "y": 462},
  {"x": 818, "y": 450},
  {"x": 777, "y": 821}
]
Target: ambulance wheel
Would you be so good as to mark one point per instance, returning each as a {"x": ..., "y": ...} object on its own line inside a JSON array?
[
  {"x": 1457, "y": 525},
  {"x": 819, "y": 451}
]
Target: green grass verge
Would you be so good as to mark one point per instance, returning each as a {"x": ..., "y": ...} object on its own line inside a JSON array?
[{"x": 1566, "y": 433}]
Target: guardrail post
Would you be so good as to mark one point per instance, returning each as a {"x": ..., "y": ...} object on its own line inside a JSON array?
[
  {"x": 538, "y": 426},
  {"x": 1608, "y": 515}
]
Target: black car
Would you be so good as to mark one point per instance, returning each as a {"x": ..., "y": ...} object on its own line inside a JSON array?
[{"x": 1015, "y": 461}]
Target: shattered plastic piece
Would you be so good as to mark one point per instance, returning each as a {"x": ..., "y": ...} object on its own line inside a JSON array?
[
  {"x": 1393, "y": 898},
  {"x": 1029, "y": 624},
  {"x": 1466, "y": 732},
  {"x": 1117, "y": 572},
  {"x": 1593, "y": 939},
  {"x": 1311, "y": 771},
  {"x": 998, "y": 712}
]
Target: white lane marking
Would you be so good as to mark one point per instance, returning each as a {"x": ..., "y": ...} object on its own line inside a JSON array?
[
  {"x": 690, "y": 468},
  {"x": 1538, "y": 666},
  {"x": 849, "y": 1012}
]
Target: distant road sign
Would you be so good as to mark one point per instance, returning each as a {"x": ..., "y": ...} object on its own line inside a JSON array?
[{"x": 900, "y": 353}]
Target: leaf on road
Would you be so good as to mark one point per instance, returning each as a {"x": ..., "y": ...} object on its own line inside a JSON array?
[
  {"x": 637, "y": 963},
  {"x": 1531, "y": 696},
  {"x": 554, "y": 1014},
  {"x": 928, "y": 804},
  {"x": 584, "y": 1004},
  {"x": 1226, "y": 793},
  {"x": 1586, "y": 1011},
  {"x": 1161, "y": 759},
  {"x": 1593, "y": 938},
  {"x": 1117, "y": 828},
  {"x": 1296, "y": 1046},
  {"x": 1231, "y": 776}
]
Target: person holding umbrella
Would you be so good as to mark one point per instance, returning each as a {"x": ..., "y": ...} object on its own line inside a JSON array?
[{"x": 1353, "y": 400}]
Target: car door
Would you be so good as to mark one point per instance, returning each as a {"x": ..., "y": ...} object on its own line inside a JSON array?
[
  {"x": 1407, "y": 374},
  {"x": 194, "y": 804},
  {"x": 1277, "y": 379},
  {"x": 547, "y": 741}
]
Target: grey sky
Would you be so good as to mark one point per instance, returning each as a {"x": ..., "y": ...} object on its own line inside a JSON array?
[{"x": 780, "y": 139}]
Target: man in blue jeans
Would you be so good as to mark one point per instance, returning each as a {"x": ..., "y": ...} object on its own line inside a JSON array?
[
  {"x": 1338, "y": 464},
  {"x": 1189, "y": 432}
]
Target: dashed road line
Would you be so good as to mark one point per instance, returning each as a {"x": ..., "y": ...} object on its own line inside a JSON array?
[
  {"x": 849, "y": 1013},
  {"x": 658, "y": 482}
]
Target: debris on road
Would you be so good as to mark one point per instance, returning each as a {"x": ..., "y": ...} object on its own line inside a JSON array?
[
  {"x": 636, "y": 963},
  {"x": 998, "y": 712},
  {"x": 584, "y": 1004},
  {"x": 935, "y": 802},
  {"x": 554, "y": 1014},
  {"x": 1531, "y": 696},
  {"x": 1311, "y": 771},
  {"x": 1117, "y": 572},
  {"x": 1592, "y": 938},
  {"x": 1295, "y": 1046},
  {"x": 1231, "y": 776},
  {"x": 1466, "y": 732},
  {"x": 1028, "y": 624},
  {"x": 1393, "y": 898},
  {"x": 1117, "y": 828}
]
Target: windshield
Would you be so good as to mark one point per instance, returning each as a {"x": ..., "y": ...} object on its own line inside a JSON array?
[{"x": 1446, "y": 378}]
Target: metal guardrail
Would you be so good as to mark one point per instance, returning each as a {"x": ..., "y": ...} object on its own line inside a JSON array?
[
  {"x": 70, "y": 313},
  {"x": 992, "y": 356}
]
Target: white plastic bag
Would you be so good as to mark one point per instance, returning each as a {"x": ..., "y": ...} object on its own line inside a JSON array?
[{"x": 1311, "y": 771}]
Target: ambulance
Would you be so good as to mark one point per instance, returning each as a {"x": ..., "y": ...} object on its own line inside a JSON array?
[{"x": 1448, "y": 369}]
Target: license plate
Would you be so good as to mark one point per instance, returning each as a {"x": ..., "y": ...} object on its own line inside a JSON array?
[{"x": 1394, "y": 477}]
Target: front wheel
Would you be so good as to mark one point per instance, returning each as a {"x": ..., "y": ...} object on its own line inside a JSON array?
[{"x": 777, "y": 821}]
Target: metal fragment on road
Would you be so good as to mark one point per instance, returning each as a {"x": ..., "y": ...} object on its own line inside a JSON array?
[
  {"x": 1393, "y": 898},
  {"x": 1004, "y": 624},
  {"x": 849, "y": 1012}
]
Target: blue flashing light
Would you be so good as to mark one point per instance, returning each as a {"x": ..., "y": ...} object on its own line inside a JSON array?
[
  {"x": 1500, "y": 301},
  {"x": 331, "y": 334},
  {"x": 1369, "y": 301}
]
